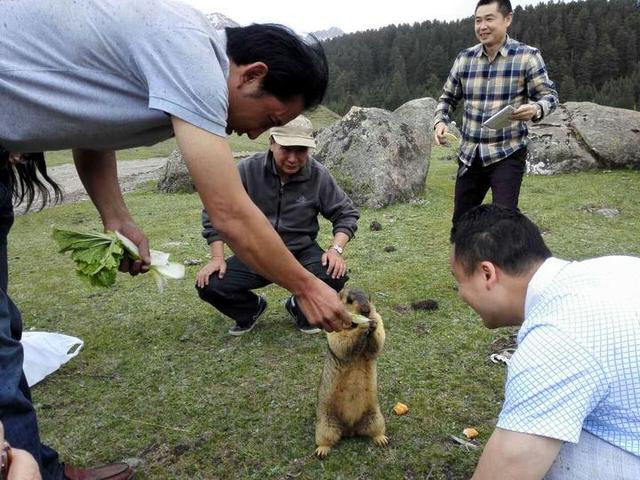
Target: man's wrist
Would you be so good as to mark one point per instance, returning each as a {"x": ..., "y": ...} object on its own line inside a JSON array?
[
  {"x": 116, "y": 221},
  {"x": 337, "y": 248},
  {"x": 307, "y": 283},
  {"x": 539, "y": 111}
]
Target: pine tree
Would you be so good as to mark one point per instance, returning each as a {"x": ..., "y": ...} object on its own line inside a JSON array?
[{"x": 590, "y": 47}]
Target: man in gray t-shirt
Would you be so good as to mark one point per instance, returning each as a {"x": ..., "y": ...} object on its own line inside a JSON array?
[{"x": 101, "y": 75}]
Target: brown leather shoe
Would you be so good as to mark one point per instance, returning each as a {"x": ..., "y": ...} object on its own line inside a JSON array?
[{"x": 113, "y": 471}]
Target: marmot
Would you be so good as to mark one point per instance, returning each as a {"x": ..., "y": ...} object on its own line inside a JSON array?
[{"x": 348, "y": 392}]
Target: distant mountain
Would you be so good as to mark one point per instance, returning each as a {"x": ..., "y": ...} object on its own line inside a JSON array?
[
  {"x": 333, "y": 32},
  {"x": 220, "y": 21}
]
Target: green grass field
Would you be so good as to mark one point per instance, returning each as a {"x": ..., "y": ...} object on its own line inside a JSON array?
[{"x": 160, "y": 379}]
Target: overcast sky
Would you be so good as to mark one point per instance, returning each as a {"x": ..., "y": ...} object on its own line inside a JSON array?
[{"x": 349, "y": 15}]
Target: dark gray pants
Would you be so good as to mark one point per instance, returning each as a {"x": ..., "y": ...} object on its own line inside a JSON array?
[
  {"x": 504, "y": 178},
  {"x": 232, "y": 295}
]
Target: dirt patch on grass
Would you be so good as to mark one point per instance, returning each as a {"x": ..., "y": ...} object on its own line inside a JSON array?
[{"x": 131, "y": 173}]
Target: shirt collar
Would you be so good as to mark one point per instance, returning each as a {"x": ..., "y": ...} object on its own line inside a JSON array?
[
  {"x": 540, "y": 280},
  {"x": 504, "y": 50}
]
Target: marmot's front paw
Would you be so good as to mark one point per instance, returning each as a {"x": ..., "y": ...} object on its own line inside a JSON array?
[
  {"x": 381, "y": 441},
  {"x": 322, "y": 452}
]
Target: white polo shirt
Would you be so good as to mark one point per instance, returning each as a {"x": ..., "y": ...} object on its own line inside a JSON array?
[{"x": 577, "y": 365}]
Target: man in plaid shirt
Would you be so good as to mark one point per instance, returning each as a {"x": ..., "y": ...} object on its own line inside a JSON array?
[{"x": 497, "y": 72}]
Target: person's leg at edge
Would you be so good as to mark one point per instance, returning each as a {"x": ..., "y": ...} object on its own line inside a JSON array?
[{"x": 16, "y": 409}]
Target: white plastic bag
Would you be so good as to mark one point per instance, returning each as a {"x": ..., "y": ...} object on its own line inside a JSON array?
[{"x": 46, "y": 352}]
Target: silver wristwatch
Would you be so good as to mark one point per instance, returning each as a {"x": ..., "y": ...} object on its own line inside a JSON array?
[
  {"x": 337, "y": 248},
  {"x": 539, "y": 112}
]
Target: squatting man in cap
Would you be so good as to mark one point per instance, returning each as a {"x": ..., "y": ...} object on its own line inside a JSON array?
[
  {"x": 572, "y": 403},
  {"x": 291, "y": 189}
]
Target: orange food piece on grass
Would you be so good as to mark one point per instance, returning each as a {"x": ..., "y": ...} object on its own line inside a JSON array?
[
  {"x": 400, "y": 409},
  {"x": 470, "y": 433}
]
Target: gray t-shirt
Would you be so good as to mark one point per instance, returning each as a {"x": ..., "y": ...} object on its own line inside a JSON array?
[{"x": 107, "y": 74}]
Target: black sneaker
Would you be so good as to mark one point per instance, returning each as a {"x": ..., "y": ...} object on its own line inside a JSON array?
[
  {"x": 238, "y": 329},
  {"x": 301, "y": 322}
]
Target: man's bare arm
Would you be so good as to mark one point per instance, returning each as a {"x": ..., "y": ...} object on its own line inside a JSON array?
[
  {"x": 516, "y": 456},
  {"x": 98, "y": 172}
]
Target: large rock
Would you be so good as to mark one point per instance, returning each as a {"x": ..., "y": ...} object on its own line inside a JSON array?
[
  {"x": 612, "y": 135},
  {"x": 553, "y": 147},
  {"x": 583, "y": 136},
  {"x": 418, "y": 114},
  {"x": 175, "y": 177},
  {"x": 374, "y": 157}
]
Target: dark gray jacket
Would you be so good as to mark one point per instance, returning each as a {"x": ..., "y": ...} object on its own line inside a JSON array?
[{"x": 293, "y": 208}]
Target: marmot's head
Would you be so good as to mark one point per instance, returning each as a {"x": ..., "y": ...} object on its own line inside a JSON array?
[{"x": 361, "y": 339}]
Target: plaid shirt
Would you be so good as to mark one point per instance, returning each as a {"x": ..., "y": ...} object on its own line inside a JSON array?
[{"x": 516, "y": 75}]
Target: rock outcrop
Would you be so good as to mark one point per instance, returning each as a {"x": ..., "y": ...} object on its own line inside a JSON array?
[
  {"x": 374, "y": 157},
  {"x": 584, "y": 136},
  {"x": 175, "y": 177},
  {"x": 418, "y": 114}
]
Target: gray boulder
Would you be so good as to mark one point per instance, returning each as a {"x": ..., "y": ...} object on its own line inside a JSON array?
[
  {"x": 175, "y": 177},
  {"x": 554, "y": 148},
  {"x": 418, "y": 114},
  {"x": 584, "y": 136},
  {"x": 612, "y": 135},
  {"x": 374, "y": 157}
]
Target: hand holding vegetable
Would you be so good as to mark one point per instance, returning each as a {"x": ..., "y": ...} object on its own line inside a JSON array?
[
  {"x": 99, "y": 255},
  {"x": 131, "y": 231}
]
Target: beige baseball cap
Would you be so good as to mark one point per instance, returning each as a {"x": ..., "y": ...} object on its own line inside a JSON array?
[{"x": 297, "y": 133}]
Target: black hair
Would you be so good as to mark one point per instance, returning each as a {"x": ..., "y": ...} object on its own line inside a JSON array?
[
  {"x": 296, "y": 66},
  {"x": 499, "y": 235},
  {"x": 24, "y": 182},
  {"x": 504, "y": 6}
]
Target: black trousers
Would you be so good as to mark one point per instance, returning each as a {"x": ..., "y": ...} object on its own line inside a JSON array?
[
  {"x": 504, "y": 178},
  {"x": 232, "y": 295}
]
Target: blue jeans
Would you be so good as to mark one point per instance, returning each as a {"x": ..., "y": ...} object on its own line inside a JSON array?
[{"x": 16, "y": 409}]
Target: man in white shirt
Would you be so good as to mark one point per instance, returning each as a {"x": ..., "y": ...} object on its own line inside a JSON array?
[{"x": 572, "y": 396}]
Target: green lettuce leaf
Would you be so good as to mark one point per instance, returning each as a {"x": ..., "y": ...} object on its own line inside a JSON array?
[{"x": 97, "y": 255}]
